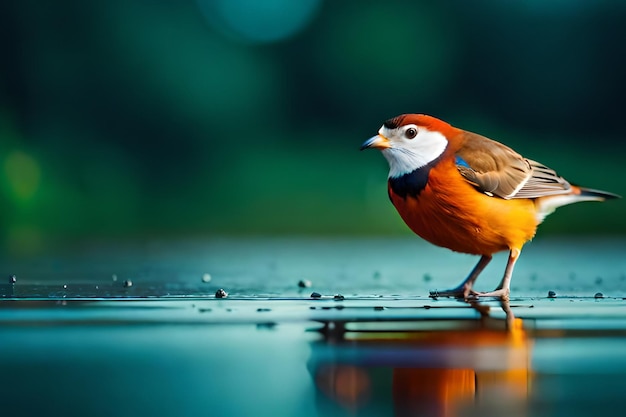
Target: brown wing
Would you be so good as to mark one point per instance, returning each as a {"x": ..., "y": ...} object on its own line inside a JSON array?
[
  {"x": 542, "y": 182},
  {"x": 496, "y": 169}
]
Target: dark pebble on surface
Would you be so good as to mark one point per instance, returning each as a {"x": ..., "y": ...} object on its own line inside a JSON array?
[
  {"x": 304, "y": 283},
  {"x": 128, "y": 283},
  {"x": 551, "y": 294},
  {"x": 316, "y": 295},
  {"x": 12, "y": 279},
  {"x": 598, "y": 295},
  {"x": 221, "y": 293},
  {"x": 339, "y": 297}
]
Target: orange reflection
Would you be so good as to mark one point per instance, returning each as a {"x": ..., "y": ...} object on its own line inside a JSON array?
[
  {"x": 432, "y": 392},
  {"x": 442, "y": 368},
  {"x": 348, "y": 385}
]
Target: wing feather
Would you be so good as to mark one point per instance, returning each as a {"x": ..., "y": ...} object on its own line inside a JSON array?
[
  {"x": 543, "y": 181},
  {"x": 496, "y": 169}
]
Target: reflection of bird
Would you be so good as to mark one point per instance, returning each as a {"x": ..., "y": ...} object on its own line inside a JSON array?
[{"x": 465, "y": 192}]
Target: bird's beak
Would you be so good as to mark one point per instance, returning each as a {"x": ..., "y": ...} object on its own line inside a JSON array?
[{"x": 377, "y": 141}]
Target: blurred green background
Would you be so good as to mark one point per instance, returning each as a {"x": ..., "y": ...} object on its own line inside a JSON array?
[{"x": 137, "y": 118}]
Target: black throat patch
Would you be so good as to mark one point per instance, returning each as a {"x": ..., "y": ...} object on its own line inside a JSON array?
[{"x": 413, "y": 183}]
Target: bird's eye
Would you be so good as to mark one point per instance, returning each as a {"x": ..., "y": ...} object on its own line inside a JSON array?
[{"x": 410, "y": 133}]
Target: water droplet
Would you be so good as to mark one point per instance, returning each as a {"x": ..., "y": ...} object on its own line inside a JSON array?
[
  {"x": 206, "y": 278},
  {"x": 377, "y": 274},
  {"x": 339, "y": 297},
  {"x": 598, "y": 280},
  {"x": 427, "y": 278},
  {"x": 128, "y": 283},
  {"x": 379, "y": 308},
  {"x": 261, "y": 310},
  {"x": 65, "y": 286},
  {"x": 12, "y": 279},
  {"x": 221, "y": 293},
  {"x": 598, "y": 295},
  {"x": 114, "y": 277},
  {"x": 551, "y": 294},
  {"x": 304, "y": 283},
  {"x": 316, "y": 295}
]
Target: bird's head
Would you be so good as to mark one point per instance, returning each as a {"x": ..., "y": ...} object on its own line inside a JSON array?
[{"x": 410, "y": 141}]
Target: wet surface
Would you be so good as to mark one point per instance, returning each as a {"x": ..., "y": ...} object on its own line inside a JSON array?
[{"x": 74, "y": 340}]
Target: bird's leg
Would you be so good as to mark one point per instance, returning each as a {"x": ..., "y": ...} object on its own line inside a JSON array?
[
  {"x": 503, "y": 290},
  {"x": 510, "y": 317},
  {"x": 465, "y": 288}
]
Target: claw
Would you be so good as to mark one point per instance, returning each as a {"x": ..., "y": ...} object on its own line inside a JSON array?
[
  {"x": 502, "y": 293},
  {"x": 462, "y": 292}
]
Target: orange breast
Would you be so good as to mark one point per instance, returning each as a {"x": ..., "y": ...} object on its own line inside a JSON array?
[{"x": 451, "y": 213}]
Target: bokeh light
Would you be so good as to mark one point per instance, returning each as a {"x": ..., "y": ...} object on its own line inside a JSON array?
[
  {"x": 22, "y": 174},
  {"x": 259, "y": 21}
]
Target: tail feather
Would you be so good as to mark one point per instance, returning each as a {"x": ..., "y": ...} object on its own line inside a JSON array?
[
  {"x": 599, "y": 194},
  {"x": 546, "y": 205}
]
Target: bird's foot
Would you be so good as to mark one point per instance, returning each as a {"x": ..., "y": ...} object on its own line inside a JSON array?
[
  {"x": 462, "y": 292},
  {"x": 501, "y": 293}
]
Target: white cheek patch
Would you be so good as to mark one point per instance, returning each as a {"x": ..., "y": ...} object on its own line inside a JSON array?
[{"x": 407, "y": 155}]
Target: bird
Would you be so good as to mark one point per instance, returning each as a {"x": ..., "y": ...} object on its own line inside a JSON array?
[{"x": 468, "y": 193}]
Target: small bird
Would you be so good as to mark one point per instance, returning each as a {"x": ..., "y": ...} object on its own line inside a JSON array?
[{"x": 468, "y": 193}]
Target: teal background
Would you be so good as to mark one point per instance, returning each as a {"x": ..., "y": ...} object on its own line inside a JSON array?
[{"x": 132, "y": 118}]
